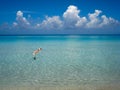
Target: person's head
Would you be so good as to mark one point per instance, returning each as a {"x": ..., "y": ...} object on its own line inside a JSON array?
[{"x": 39, "y": 49}]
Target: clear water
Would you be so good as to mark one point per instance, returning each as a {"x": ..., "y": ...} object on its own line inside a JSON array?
[{"x": 64, "y": 60}]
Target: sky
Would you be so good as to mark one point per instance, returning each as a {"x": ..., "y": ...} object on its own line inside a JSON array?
[{"x": 59, "y": 17}]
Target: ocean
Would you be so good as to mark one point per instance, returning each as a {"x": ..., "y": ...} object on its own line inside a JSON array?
[{"x": 65, "y": 60}]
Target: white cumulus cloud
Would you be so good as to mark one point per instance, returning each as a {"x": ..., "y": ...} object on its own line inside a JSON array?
[
  {"x": 70, "y": 19},
  {"x": 51, "y": 23},
  {"x": 93, "y": 19},
  {"x": 107, "y": 21},
  {"x": 97, "y": 21},
  {"x": 19, "y": 14},
  {"x": 81, "y": 22},
  {"x": 71, "y": 16},
  {"x": 21, "y": 21}
]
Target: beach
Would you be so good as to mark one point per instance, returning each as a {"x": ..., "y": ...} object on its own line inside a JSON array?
[{"x": 70, "y": 62}]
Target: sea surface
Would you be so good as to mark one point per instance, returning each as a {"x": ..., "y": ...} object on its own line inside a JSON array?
[{"x": 64, "y": 60}]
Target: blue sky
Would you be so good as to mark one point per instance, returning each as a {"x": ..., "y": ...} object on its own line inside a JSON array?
[{"x": 59, "y": 17}]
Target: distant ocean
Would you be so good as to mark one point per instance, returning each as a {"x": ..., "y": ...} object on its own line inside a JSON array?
[{"x": 64, "y": 60}]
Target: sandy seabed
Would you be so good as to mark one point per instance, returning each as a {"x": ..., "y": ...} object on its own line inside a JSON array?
[{"x": 81, "y": 87}]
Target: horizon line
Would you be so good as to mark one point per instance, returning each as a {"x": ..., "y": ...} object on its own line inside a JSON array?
[{"x": 59, "y": 34}]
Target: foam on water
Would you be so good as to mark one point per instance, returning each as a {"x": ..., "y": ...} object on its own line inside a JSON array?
[{"x": 64, "y": 60}]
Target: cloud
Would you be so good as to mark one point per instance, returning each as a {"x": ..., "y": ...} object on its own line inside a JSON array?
[
  {"x": 93, "y": 19},
  {"x": 21, "y": 21},
  {"x": 71, "y": 19},
  {"x": 19, "y": 14},
  {"x": 81, "y": 22},
  {"x": 107, "y": 21},
  {"x": 51, "y": 23},
  {"x": 15, "y": 24},
  {"x": 71, "y": 16},
  {"x": 97, "y": 21}
]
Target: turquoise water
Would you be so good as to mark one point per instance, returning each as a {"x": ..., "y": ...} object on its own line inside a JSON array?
[{"x": 64, "y": 60}]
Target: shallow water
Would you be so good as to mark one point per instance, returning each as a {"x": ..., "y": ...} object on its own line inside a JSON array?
[{"x": 64, "y": 60}]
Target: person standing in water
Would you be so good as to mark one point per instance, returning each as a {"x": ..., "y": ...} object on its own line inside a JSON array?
[{"x": 36, "y": 52}]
